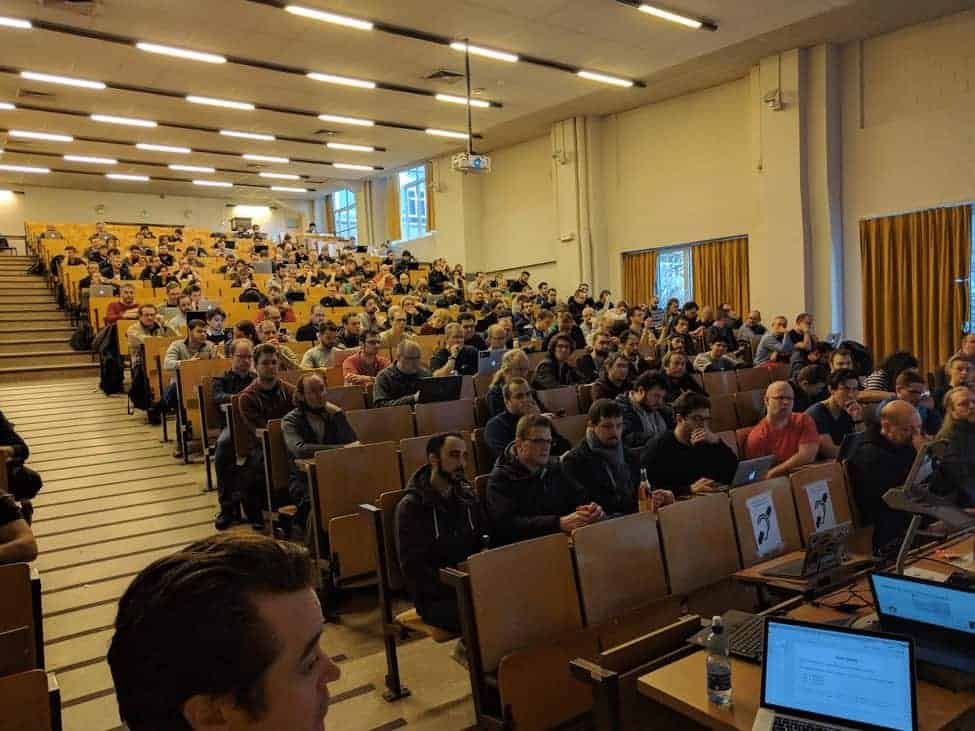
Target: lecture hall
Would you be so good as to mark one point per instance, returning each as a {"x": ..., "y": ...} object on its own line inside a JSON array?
[{"x": 592, "y": 365}]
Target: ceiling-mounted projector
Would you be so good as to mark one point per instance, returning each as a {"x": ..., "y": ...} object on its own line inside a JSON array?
[{"x": 465, "y": 162}]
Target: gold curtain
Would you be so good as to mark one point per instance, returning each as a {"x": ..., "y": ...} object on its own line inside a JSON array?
[
  {"x": 393, "y": 230},
  {"x": 639, "y": 277},
  {"x": 329, "y": 214},
  {"x": 909, "y": 265},
  {"x": 431, "y": 207},
  {"x": 720, "y": 273}
]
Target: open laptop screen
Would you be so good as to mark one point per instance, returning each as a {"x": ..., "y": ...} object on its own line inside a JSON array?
[
  {"x": 903, "y": 598},
  {"x": 839, "y": 675}
]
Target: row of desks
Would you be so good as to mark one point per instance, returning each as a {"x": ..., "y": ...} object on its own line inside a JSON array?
[{"x": 680, "y": 685}]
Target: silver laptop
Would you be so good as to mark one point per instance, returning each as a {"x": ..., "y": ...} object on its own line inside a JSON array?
[
  {"x": 826, "y": 550},
  {"x": 101, "y": 290},
  {"x": 827, "y": 678},
  {"x": 749, "y": 471},
  {"x": 488, "y": 361}
]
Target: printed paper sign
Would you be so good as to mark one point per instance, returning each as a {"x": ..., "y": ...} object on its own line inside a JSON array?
[
  {"x": 765, "y": 523},
  {"x": 821, "y": 505}
]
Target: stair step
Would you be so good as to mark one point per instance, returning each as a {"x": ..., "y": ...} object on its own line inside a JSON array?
[
  {"x": 27, "y": 309},
  {"x": 26, "y": 285},
  {"x": 39, "y": 373},
  {"x": 35, "y": 323},
  {"x": 18, "y": 277},
  {"x": 44, "y": 358},
  {"x": 7, "y": 336},
  {"x": 26, "y": 296},
  {"x": 36, "y": 345}
]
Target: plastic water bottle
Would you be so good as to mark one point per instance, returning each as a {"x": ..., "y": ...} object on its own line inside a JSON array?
[{"x": 718, "y": 664}]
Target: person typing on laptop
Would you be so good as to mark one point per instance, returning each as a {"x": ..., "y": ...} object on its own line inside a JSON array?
[
  {"x": 400, "y": 383},
  {"x": 790, "y": 437}
]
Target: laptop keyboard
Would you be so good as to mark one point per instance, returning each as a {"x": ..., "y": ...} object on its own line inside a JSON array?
[
  {"x": 748, "y": 638},
  {"x": 794, "y": 724}
]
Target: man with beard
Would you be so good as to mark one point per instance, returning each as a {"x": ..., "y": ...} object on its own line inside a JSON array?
[
  {"x": 519, "y": 401},
  {"x": 439, "y": 523},
  {"x": 645, "y": 413},
  {"x": 590, "y": 365}
]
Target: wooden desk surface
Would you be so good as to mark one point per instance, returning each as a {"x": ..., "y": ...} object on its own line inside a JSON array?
[
  {"x": 753, "y": 575},
  {"x": 681, "y": 685}
]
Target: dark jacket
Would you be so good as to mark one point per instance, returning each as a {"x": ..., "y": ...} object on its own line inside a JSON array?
[
  {"x": 875, "y": 467},
  {"x": 465, "y": 365},
  {"x": 635, "y": 433},
  {"x": 955, "y": 475},
  {"x": 394, "y": 388},
  {"x": 302, "y": 441},
  {"x": 550, "y": 374},
  {"x": 522, "y": 504},
  {"x": 612, "y": 487},
  {"x": 578, "y": 338},
  {"x": 588, "y": 367},
  {"x": 499, "y": 432},
  {"x": 605, "y": 388},
  {"x": 10, "y": 438},
  {"x": 229, "y": 384},
  {"x": 434, "y": 531},
  {"x": 306, "y": 332},
  {"x": 677, "y": 386},
  {"x": 675, "y": 466},
  {"x": 436, "y": 280}
]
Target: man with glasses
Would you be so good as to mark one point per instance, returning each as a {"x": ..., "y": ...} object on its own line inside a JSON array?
[
  {"x": 232, "y": 382},
  {"x": 883, "y": 461},
  {"x": 397, "y": 332},
  {"x": 399, "y": 384},
  {"x": 472, "y": 338},
  {"x": 838, "y": 415},
  {"x": 690, "y": 458},
  {"x": 528, "y": 494},
  {"x": 362, "y": 368},
  {"x": 791, "y": 437},
  {"x": 519, "y": 401},
  {"x": 911, "y": 387}
]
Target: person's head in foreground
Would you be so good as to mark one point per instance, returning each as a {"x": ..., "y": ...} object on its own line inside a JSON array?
[{"x": 224, "y": 634}]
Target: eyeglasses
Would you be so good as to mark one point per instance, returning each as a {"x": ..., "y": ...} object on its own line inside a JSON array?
[
  {"x": 538, "y": 442},
  {"x": 698, "y": 418}
]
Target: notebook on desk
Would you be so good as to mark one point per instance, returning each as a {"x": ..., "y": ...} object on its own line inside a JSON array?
[{"x": 827, "y": 678}]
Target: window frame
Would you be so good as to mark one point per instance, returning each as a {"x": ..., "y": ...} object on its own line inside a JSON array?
[
  {"x": 688, "y": 291},
  {"x": 413, "y": 195},
  {"x": 344, "y": 214}
]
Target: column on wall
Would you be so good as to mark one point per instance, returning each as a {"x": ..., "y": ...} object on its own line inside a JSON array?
[
  {"x": 572, "y": 175},
  {"x": 365, "y": 224}
]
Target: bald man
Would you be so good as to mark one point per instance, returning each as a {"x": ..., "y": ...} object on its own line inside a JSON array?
[
  {"x": 791, "y": 437},
  {"x": 882, "y": 462},
  {"x": 400, "y": 383}
]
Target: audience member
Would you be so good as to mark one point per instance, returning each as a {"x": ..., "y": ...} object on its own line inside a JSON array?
[
  {"x": 234, "y": 380},
  {"x": 801, "y": 335},
  {"x": 323, "y": 354},
  {"x": 178, "y": 321},
  {"x": 216, "y": 332},
  {"x": 910, "y": 387},
  {"x": 614, "y": 379},
  {"x": 959, "y": 372},
  {"x": 397, "y": 331},
  {"x": 17, "y": 543},
  {"x": 955, "y": 449},
  {"x": 455, "y": 358},
  {"x": 678, "y": 380},
  {"x": 194, "y": 346},
  {"x": 840, "y": 414},
  {"x": 775, "y": 345},
  {"x": 528, "y": 494},
  {"x": 519, "y": 401},
  {"x": 362, "y": 368},
  {"x": 270, "y": 334},
  {"x": 591, "y": 364},
  {"x": 399, "y": 383},
  {"x": 789, "y": 436},
  {"x": 556, "y": 371},
  {"x": 752, "y": 330},
  {"x": 123, "y": 306},
  {"x": 716, "y": 359},
  {"x": 349, "y": 335},
  {"x": 22, "y": 482},
  {"x": 809, "y": 387},
  {"x": 309, "y": 331},
  {"x": 439, "y": 523},
  {"x": 630, "y": 347},
  {"x": 148, "y": 325},
  {"x": 225, "y": 633},
  {"x": 884, "y": 378},
  {"x": 514, "y": 364},
  {"x": 841, "y": 359},
  {"x": 690, "y": 458},
  {"x": 645, "y": 415}
]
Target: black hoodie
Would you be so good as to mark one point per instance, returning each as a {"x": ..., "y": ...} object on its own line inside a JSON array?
[
  {"x": 523, "y": 504},
  {"x": 434, "y": 531}
]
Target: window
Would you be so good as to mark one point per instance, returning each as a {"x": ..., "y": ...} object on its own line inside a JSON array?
[
  {"x": 343, "y": 209},
  {"x": 674, "y": 276},
  {"x": 413, "y": 203}
]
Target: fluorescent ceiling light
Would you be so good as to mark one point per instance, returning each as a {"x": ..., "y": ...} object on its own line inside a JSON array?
[
  {"x": 285, "y": 189},
  {"x": 486, "y": 52},
  {"x": 280, "y": 176},
  {"x": 446, "y": 133},
  {"x": 163, "y": 148},
  {"x": 23, "y": 169},
  {"x": 213, "y": 183},
  {"x": 351, "y": 148},
  {"x": 247, "y": 135},
  {"x": 130, "y": 178},
  {"x": 266, "y": 158},
  {"x": 7, "y": 106},
  {"x": 131, "y": 122},
  {"x": 338, "y": 119},
  {"x": 342, "y": 80},
  {"x": 91, "y": 160},
  {"x": 64, "y": 80},
  {"x": 27, "y": 135},
  {"x": 211, "y": 102},
  {"x": 193, "y": 168},
  {"x": 15, "y": 23},
  {"x": 181, "y": 53},
  {"x": 613, "y": 80},
  {"x": 347, "y": 166},
  {"x": 329, "y": 17},
  {"x": 672, "y": 17},
  {"x": 462, "y": 100}
]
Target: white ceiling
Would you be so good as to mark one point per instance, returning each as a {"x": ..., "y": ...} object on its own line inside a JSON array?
[{"x": 600, "y": 34}]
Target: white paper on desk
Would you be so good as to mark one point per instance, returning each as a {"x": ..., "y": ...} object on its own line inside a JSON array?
[
  {"x": 821, "y": 505},
  {"x": 765, "y": 523},
  {"x": 919, "y": 573}
]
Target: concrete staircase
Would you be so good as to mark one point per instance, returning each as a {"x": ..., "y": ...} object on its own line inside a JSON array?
[{"x": 33, "y": 332}]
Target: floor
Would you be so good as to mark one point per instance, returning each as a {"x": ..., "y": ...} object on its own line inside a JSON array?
[{"x": 114, "y": 500}]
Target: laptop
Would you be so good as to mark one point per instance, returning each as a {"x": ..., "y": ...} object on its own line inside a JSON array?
[
  {"x": 749, "y": 471},
  {"x": 850, "y": 444},
  {"x": 940, "y": 618},
  {"x": 262, "y": 267},
  {"x": 826, "y": 549},
  {"x": 825, "y": 678},
  {"x": 101, "y": 290},
  {"x": 488, "y": 361},
  {"x": 440, "y": 389},
  {"x": 834, "y": 340}
]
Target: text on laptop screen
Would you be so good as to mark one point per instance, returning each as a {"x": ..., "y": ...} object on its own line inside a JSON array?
[
  {"x": 846, "y": 676},
  {"x": 941, "y": 606}
]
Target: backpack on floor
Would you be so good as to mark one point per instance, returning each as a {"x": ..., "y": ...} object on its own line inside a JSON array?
[
  {"x": 81, "y": 338},
  {"x": 112, "y": 375}
]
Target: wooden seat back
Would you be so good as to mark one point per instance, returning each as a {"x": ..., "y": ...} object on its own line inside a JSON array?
[
  {"x": 585, "y": 398},
  {"x": 604, "y": 552},
  {"x": 751, "y": 379},
  {"x": 413, "y": 455},
  {"x": 387, "y": 505},
  {"x": 211, "y": 417},
  {"x": 155, "y": 354},
  {"x": 235, "y": 420},
  {"x": 561, "y": 401},
  {"x": 780, "y": 494},
  {"x": 347, "y": 398},
  {"x": 276, "y": 460},
  {"x": 16, "y": 598},
  {"x": 741, "y": 438},
  {"x": 720, "y": 382},
  {"x": 750, "y": 407},
  {"x": 388, "y": 424},
  {"x": 572, "y": 428},
  {"x": 445, "y": 416},
  {"x": 728, "y": 437},
  {"x": 809, "y": 478},
  {"x": 780, "y": 372},
  {"x": 190, "y": 373},
  {"x": 354, "y": 475},
  {"x": 482, "y": 382},
  {"x": 531, "y": 580},
  {"x": 25, "y": 702},
  {"x": 17, "y": 651},
  {"x": 723, "y": 415},
  {"x": 699, "y": 542},
  {"x": 482, "y": 453}
]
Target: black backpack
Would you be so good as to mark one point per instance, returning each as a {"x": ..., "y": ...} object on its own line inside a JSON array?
[
  {"x": 112, "y": 375},
  {"x": 82, "y": 337}
]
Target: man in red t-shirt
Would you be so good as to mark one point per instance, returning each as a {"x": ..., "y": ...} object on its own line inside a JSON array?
[{"x": 792, "y": 438}]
